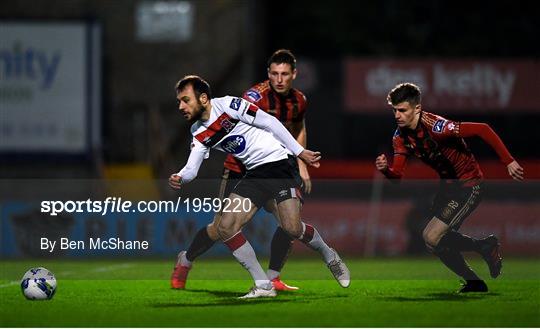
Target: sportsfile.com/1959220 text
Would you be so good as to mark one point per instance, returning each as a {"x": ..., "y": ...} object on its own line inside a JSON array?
[{"x": 117, "y": 205}]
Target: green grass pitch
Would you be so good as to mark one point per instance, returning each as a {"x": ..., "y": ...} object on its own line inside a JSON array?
[{"x": 383, "y": 293}]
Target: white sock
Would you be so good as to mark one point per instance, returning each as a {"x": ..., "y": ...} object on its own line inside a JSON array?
[
  {"x": 244, "y": 253},
  {"x": 316, "y": 242}
]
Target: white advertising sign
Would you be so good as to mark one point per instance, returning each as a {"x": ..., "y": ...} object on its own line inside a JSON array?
[{"x": 43, "y": 87}]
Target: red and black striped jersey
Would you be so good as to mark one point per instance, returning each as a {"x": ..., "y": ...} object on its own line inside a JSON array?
[
  {"x": 289, "y": 109},
  {"x": 438, "y": 143}
]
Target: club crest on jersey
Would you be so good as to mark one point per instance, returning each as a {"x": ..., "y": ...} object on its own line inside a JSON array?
[
  {"x": 234, "y": 144},
  {"x": 438, "y": 127},
  {"x": 451, "y": 126},
  {"x": 235, "y": 103},
  {"x": 253, "y": 95},
  {"x": 227, "y": 125}
]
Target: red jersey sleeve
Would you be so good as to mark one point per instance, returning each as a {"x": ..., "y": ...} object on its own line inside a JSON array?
[
  {"x": 398, "y": 144},
  {"x": 484, "y": 131},
  {"x": 400, "y": 157}
]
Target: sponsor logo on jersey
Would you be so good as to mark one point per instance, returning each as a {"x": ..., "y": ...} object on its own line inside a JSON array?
[
  {"x": 253, "y": 95},
  {"x": 234, "y": 144},
  {"x": 438, "y": 127},
  {"x": 235, "y": 103}
]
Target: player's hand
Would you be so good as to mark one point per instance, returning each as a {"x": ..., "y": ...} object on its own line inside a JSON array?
[
  {"x": 381, "y": 163},
  {"x": 175, "y": 181},
  {"x": 304, "y": 174},
  {"x": 311, "y": 158},
  {"x": 515, "y": 170}
]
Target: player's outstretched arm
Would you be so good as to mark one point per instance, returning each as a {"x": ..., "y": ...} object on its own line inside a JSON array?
[
  {"x": 484, "y": 131},
  {"x": 268, "y": 122}
]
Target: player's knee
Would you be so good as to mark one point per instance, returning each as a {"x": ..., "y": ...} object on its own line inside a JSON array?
[
  {"x": 431, "y": 238},
  {"x": 212, "y": 231},
  {"x": 225, "y": 229},
  {"x": 293, "y": 228}
]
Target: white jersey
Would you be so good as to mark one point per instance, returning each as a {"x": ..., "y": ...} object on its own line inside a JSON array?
[{"x": 237, "y": 127}]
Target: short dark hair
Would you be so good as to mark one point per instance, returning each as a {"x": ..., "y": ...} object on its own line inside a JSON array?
[
  {"x": 283, "y": 56},
  {"x": 405, "y": 92},
  {"x": 200, "y": 86}
]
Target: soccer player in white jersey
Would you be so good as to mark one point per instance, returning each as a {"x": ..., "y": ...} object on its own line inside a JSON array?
[{"x": 267, "y": 150}]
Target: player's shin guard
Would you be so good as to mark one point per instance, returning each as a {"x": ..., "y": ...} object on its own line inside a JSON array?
[
  {"x": 200, "y": 244},
  {"x": 244, "y": 253},
  {"x": 311, "y": 237},
  {"x": 280, "y": 249}
]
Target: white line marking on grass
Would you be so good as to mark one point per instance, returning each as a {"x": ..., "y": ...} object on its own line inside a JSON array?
[
  {"x": 9, "y": 284},
  {"x": 100, "y": 269},
  {"x": 65, "y": 273},
  {"x": 112, "y": 267}
]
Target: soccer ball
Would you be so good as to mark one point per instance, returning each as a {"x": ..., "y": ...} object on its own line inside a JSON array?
[{"x": 38, "y": 283}]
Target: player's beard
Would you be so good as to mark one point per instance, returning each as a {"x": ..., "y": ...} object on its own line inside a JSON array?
[{"x": 198, "y": 115}]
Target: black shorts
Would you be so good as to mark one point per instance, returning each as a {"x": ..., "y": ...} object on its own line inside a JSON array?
[
  {"x": 229, "y": 179},
  {"x": 278, "y": 180},
  {"x": 453, "y": 203}
]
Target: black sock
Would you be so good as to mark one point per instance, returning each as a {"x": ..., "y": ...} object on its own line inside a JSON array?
[
  {"x": 200, "y": 244},
  {"x": 457, "y": 264},
  {"x": 279, "y": 249},
  {"x": 459, "y": 242}
]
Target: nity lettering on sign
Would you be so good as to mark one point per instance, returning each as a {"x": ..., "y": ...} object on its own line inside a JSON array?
[{"x": 22, "y": 62}]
